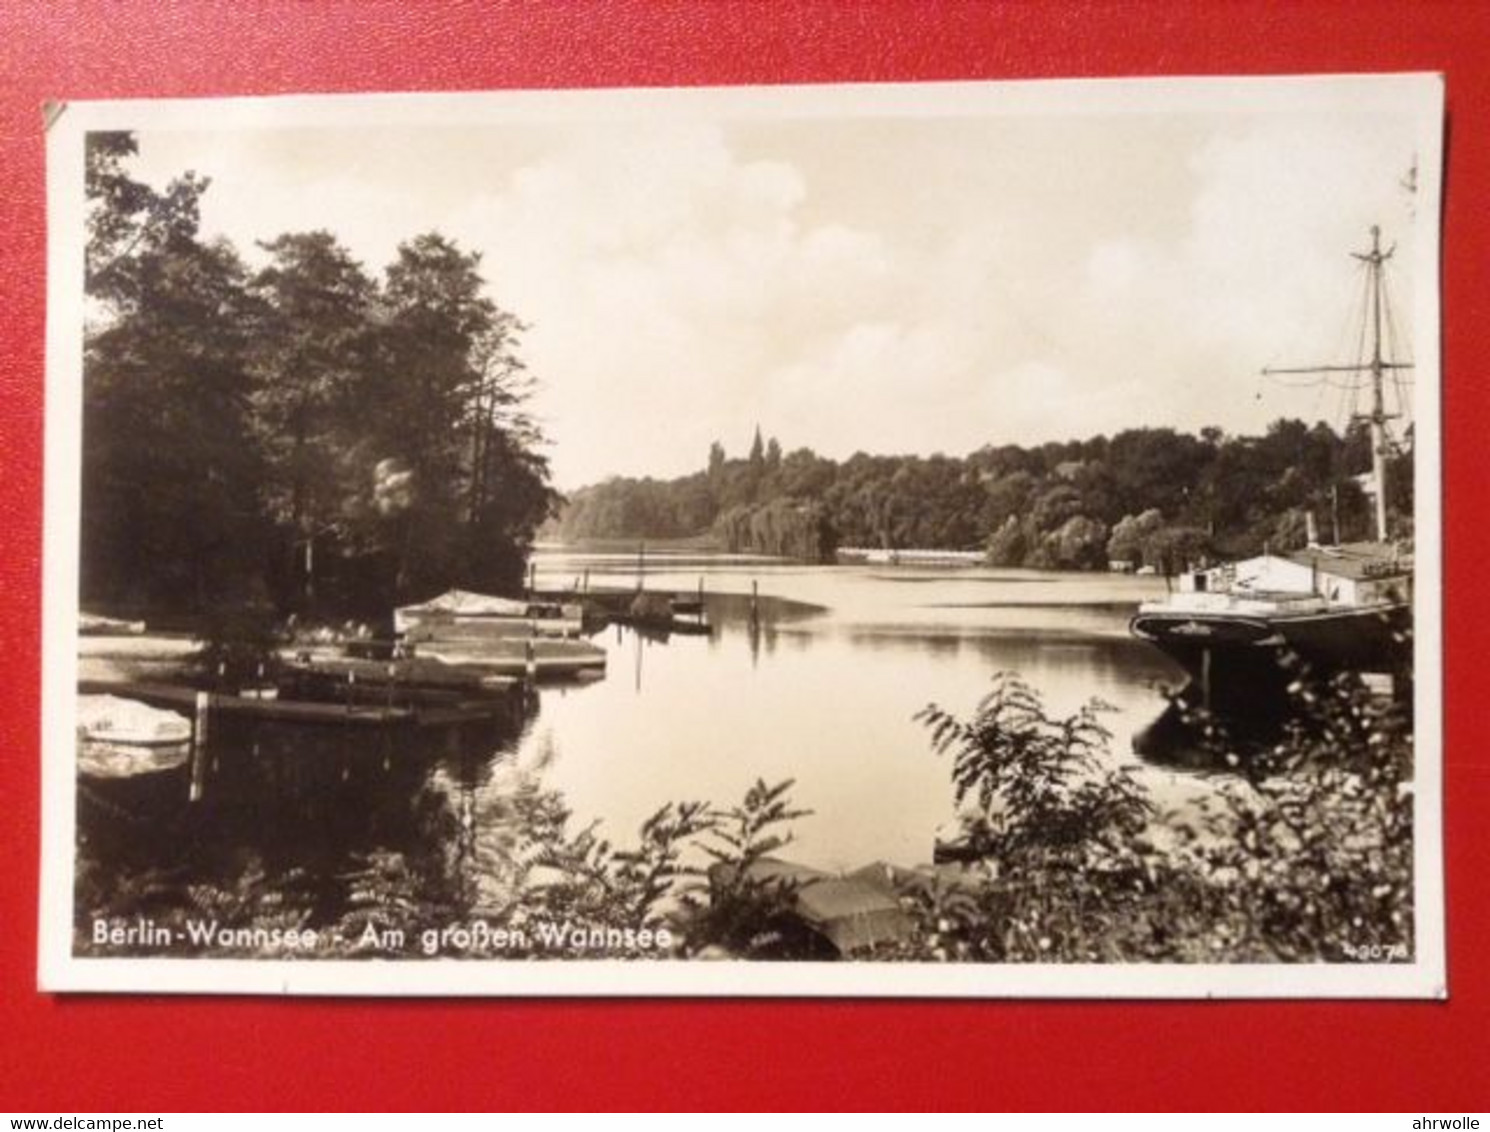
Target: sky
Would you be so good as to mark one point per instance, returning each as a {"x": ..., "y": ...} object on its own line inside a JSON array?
[{"x": 861, "y": 278}]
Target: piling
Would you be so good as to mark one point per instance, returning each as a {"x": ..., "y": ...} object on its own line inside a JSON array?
[{"x": 199, "y": 737}]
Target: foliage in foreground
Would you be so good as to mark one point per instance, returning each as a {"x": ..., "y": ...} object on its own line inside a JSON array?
[{"x": 1307, "y": 857}]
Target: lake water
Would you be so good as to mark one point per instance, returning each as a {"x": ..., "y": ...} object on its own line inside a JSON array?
[
  {"x": 825, "y": 686},
  {"x": 821, "y": 687}
]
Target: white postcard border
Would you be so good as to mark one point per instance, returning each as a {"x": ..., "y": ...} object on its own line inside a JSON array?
[{"x": 59, "y": 970}]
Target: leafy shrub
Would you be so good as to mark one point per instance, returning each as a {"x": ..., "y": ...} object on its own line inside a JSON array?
[
  {"x": 1306, "y": 858},
  {"x": 1315, "y": 849},
  {"x": 747, "y": 913},
  {"x": 1042, "y": 795}
]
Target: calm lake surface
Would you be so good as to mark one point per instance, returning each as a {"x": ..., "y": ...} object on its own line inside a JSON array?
[
  {"x": 825, "y": 690},
  {"x": 323, "y": 824}
]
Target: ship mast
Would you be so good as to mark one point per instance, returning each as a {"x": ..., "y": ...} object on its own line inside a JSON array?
[{"x": 1377, "y": 367}]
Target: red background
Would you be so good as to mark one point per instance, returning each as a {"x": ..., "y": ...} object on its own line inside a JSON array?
[{"x": 80, "y": 1054}]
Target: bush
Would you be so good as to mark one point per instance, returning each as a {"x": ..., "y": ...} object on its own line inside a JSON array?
[{"x": 1308, "y": 857}]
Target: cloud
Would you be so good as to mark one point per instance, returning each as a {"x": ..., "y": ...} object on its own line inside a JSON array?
[
  {"x": 877, "y": 286},
  {"x": 666, "y": 280}
]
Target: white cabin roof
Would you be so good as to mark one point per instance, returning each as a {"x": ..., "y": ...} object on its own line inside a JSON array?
[
  {"x": 1353, "y": 560},
  {"x": 464, "y": 603}
]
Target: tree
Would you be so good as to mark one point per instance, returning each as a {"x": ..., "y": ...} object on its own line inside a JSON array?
[
  {"x": 170, "y": 517},
  {"x": 1054, "y": 507},
  {"x": 304, "y": 427},
  {"x": 1130, "y": 534},
  {"x": 508, "y": 478},
  {"x": 1007, "y": 496},
  {"x": 311, "y": 366},
  {"x": 1079, "y": 544},
  {"x": 129, "y": 222},
  {"x": 1008, "y": 545},
  {"x": 433, "y": 315},
  {"x": 1171, "y": 550},
  {"x": 1168, "y": 498}
]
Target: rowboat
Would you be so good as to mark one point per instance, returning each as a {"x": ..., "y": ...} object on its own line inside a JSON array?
[{"x": 122, "y": 738}]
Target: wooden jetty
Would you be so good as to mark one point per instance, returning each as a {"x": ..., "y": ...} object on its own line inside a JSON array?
[
  {"x": 662, "y": 612},
  {"x": 184, "y": 698},
  {"x": 417, "y": 672},
  {"x": 298, "y": 712},
  {"x": 534, "y": 658},
  {"x": 909, "y": 556}
]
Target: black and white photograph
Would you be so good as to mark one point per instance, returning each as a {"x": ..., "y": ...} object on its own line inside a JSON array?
[{"x": 965, "y": 539}]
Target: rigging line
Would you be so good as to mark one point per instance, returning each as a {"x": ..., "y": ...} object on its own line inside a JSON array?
[
  {"x": 1294, "y": 381},
  {"x": 1351, "y": 390},
  {"x": 1401, "y": 335},
  {"x": 1365, "y": 309},
  {"x": 1318, "y": 397},
  {"x": 1354, "y": 313},
  {"x": 1394, "y": 336},
  {"x": 1343, "y": 412},
  {"x": 1352, "y": 319},
  {"x": 1402, "y": 402}
]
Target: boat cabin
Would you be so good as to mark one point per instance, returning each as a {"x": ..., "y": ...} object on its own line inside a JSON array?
[
  {"x": 462, "y": 610},
  {"x": 1362, "y": 573}
]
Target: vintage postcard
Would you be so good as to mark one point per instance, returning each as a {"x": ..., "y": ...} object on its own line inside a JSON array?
[{"x": 968, "y": 539}]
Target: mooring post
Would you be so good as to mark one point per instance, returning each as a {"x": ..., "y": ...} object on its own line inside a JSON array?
[
  {"x": 1205, "y": 677},
  {"x": 755, "y": 598},
  {"x": 351, "y": 688},
  {"x": 532, "y": 660},
  {"x": 700, "y": 599},
  {"x": 199, "y": 737}
]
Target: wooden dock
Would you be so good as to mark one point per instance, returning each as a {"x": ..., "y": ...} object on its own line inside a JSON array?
[
  {"x": 665, "y": 612},
  {"x": 183, "y": 698},
  {"x": 423, "y": 673},
  {"x": 298, "y": 712}
]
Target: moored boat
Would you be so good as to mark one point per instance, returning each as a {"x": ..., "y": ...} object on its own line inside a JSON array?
[
  {"x": 123, "y": 738},
  {"x": 536, "y": 657},
  {"x": 463, "y": 617},
  {"x": 1244, "y": 631}
]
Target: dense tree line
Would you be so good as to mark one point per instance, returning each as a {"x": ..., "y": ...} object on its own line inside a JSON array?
[
  {"x": 1145, "y": 497},
  {"x": 304, "y": 435}
]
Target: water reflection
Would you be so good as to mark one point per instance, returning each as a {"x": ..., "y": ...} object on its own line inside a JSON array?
[
  {"x": 818, "y": 678},
  {"x": 823, "y": 685},
  {"x": 301, "y": 825}
]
